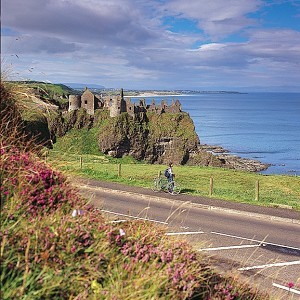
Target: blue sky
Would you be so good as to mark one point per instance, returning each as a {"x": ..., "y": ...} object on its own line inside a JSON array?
[{"x": 242, "y": 45}]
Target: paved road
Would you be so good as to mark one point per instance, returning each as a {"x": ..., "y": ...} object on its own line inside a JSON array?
[{"x": 260, "y": 244}]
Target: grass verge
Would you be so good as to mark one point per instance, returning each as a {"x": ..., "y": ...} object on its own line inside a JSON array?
[
  {"x": 54, "y": 245},
  {"x": 237, "y": 186}
]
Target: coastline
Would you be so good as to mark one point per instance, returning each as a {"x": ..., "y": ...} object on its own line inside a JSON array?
[
  {"x": 153, "y": 95},
  {"x": 228, "y": 160},
  {"x": 232, "y": 161}
]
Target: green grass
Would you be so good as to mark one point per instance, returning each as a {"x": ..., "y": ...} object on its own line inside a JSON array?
[
  {"x": 52, "y": 93},
  {"x": 237, "y": 186},
  {"x": 77, "y": 144},
  {"x": 48, "y": 253},
  {"x": 49, "y": 88}
]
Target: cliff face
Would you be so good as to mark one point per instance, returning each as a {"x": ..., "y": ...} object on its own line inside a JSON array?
[
  {"x": 150, "y": 137},
  {"x": 147, "y": 136}
]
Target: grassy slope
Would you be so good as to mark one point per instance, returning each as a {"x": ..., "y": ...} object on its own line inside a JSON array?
[
  {"x": 230, "y": 185},
  {"x": 56, "y": 94},
  {"x": 48, "y": 253}
]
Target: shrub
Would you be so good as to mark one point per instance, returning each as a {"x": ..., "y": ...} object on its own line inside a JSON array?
[
  {"x": 47, "y": 252},
  {"x": 33, "y": 186}
]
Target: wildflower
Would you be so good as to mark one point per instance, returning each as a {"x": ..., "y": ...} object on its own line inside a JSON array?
[
  {"x": 291, "y": 285},
  {"x": 77, "y": 212},
  {"x": 122, "y": 232}
]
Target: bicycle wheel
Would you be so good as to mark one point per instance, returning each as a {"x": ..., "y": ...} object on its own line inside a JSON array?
[
  {"x": 157, "y": 184},
  {"x": 174, "y": 188}
]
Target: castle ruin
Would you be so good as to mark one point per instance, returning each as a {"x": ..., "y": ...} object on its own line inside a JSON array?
[{"x": 119, "y": 104}]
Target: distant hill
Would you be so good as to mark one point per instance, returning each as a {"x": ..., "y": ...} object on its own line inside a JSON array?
[{"x": 81, "y": 86}]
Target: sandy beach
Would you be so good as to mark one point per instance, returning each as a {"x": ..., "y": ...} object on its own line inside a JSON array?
[{"x": 141, "y": 95}]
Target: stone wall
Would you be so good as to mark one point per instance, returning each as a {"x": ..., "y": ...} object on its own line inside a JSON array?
[
  {"x": 74, "y": 102},
  {"x": 88, "y": 101},
  {"x": 117, "y": 104}
]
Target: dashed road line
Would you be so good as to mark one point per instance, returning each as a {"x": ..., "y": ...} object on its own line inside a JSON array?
[
  {"x": 229, "y": 247},
  {"x": 185, "y": 233},
  {"x": 283, "y": 264},
  {"x": 132, "y": 217},
  {"x": 291, "y": 290},
  {"x": 263, "y": 243}
]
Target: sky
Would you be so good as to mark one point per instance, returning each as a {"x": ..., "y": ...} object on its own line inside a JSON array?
[{"x": 236, "y": 45}]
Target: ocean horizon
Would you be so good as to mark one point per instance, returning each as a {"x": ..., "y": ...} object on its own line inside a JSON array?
[{"x": 263, "y": 126}]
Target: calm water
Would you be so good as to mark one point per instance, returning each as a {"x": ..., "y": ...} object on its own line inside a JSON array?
[{"x": 262, "y": 126}]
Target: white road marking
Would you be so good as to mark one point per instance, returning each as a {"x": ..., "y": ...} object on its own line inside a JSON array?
[
  {"x": 286, "y": 288},
  {"x": 137, "y": 218},
  {"x": 184, "y": 233},
  {"x": 253, "y": 240},
  {"x": 283, "y": 264},
  {"x": 118, "y": 221},
  {"x": 228, "y": 248}
]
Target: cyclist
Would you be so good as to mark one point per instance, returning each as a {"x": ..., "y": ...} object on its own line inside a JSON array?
[{"x": 171, "y": 175}]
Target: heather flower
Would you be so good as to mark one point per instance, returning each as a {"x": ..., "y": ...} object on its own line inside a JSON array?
[{"x": 291, "y": 285}]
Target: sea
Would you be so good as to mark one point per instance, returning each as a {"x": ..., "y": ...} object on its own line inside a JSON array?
[{"x": 260, "y": 126}]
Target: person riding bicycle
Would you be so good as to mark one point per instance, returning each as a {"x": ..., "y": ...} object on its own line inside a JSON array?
[
  {"x": 168, "y": 184},
  {"x": 170, "y": 175}
]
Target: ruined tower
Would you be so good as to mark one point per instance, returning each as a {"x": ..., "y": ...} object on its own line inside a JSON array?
[
  {"x": 118, "y": 105},
  {"x": 88, "y": 101},
  {"x": 74, "y": 102}
]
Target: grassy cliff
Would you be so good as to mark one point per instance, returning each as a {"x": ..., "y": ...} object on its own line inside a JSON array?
[
  {"x": 152, "y": 138},
  {"x": 54, "y": 245}
]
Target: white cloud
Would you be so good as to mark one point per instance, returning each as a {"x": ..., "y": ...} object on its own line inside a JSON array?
[
  {"x": 109, "y": 22},
  {"x": 124, "y": 43},
  {"x": 217, "y": 18}
]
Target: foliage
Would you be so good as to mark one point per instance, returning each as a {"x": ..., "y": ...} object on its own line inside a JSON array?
[
  {"x": 54, "y": 93},
  {"x": 178, "y": 125},
  {"x": 20, "y": 173},
  {"x": 56, "y": 246},
  {"x": 48, "y": 252},
  {"x": 231, "y": 185}
]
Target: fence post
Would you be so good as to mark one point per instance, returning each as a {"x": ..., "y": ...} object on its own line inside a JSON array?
[
  {"x": 159, "y": 173},
  {"x": 119, "y": 170},
  {"x": 80, "y": 161},
  {"x": 211, "y": 186},
  {"x": 257, "y": 190}
]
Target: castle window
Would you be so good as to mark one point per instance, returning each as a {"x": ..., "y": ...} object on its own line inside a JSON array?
[{"x": 85, "y": 101}]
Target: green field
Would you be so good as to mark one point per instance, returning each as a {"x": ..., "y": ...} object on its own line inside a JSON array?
[{"x": 231, "y": 185}]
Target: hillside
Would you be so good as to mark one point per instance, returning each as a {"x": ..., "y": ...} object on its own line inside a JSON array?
[
  {"x": 149, "y": 137},
  {"x": 55, "y": 246}
]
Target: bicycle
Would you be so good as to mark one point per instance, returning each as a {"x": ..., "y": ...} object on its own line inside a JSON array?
[{"x": 162, "y": 184}]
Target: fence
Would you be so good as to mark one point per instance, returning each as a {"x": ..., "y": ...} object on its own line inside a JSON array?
[{"x": 224, "y": 184}]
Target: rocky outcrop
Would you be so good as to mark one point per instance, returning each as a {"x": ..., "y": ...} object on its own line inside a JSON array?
[
  {"x": 61, "y": 123},
  {"x": 239, "y": 163},
  {"x": 150, "y": 137},
  {"x": 165, "y": 138},
  {"x": 227, "y": 160}
]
